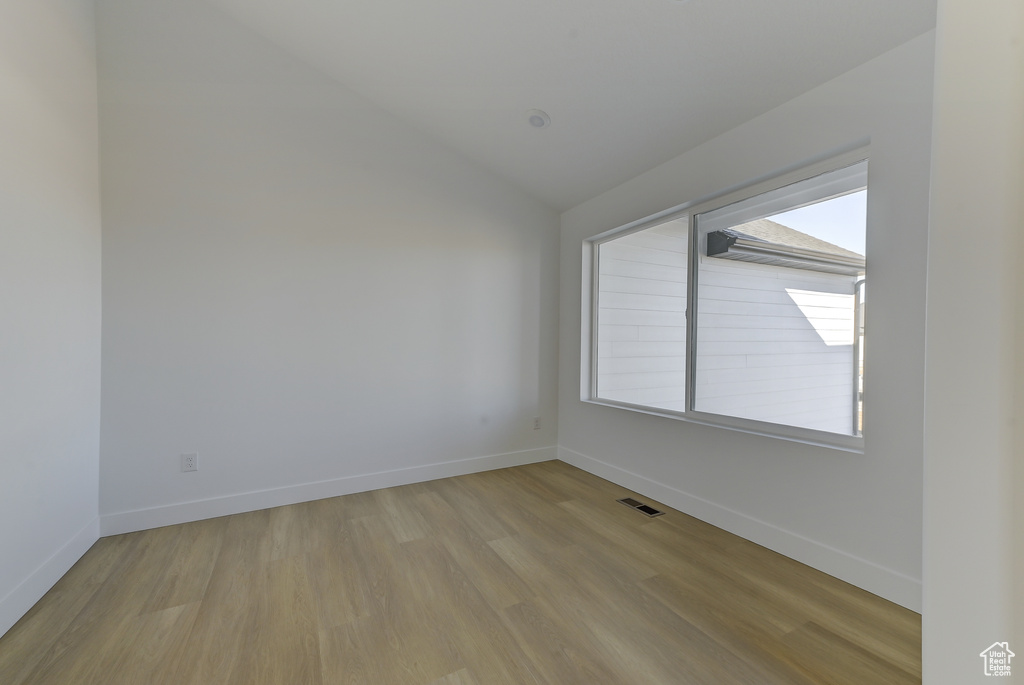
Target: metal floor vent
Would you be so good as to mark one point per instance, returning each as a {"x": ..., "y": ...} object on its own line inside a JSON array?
[{"x": 640, "y": 506}]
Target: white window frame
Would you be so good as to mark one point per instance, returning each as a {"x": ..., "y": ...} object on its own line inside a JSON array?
[{"x": 591, "y": 248}]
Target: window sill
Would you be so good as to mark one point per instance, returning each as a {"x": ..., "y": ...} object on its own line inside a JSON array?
[{"x": 844, "y": 443}]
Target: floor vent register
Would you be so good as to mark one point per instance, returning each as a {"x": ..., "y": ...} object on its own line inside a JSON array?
[{"x": 640, "y": 506}]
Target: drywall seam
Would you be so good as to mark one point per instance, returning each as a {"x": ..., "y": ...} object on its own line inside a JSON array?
[
  {"x": 879, "y": 580},
  {"x": 19, "y": 600},
  {"x": 184, "y": 512}
]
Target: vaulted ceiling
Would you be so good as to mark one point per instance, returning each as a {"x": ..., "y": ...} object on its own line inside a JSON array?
[{"x": 628, "y": 84}]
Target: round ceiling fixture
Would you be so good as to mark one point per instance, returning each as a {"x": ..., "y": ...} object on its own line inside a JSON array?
[{"x": 538, "y": 118}]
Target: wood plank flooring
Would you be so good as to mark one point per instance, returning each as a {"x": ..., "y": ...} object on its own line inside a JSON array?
[{"x": 533, "y": 574}]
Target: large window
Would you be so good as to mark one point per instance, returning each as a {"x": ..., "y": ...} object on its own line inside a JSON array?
[{"x": 745, "y": 312}]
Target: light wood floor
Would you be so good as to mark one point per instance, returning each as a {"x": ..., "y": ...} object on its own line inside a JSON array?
[{"x": 533, "y": 574}]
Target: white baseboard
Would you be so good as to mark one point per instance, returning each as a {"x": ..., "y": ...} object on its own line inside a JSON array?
[
  {"x": 887, "y": 583},
  {"x": 19, "y": 600},
  {"x": 184, "y": 512}
]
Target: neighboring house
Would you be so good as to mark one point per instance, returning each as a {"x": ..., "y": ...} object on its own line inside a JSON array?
[
  {"x": 777, "y": 309},
  {"x": 997, "y": 659},
  {"x": 642, "y": 317}
]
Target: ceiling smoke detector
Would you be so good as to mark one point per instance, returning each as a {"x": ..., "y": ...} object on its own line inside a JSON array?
[{"x": 538, "y": 118}]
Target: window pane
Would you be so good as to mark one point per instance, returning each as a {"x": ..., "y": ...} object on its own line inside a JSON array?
[
  {"x": 641, "y": 317},
  {"x": 778, "y": 301}
]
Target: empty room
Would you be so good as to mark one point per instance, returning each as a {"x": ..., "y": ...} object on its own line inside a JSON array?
[{"x": 669, "y": 341}]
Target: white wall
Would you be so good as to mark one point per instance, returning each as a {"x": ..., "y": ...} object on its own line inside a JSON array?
[
  {"x": 49, "y": 296},
  {"x": 974, "y": 411},
  {"x": 855, "y": 516},
  {"x": 296, "y": 286}
]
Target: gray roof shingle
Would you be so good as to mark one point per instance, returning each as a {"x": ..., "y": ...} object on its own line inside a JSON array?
[{"x": 769, "y": 231}]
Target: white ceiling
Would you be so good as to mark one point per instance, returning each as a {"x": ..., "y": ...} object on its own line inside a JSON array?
[{"x": 628, "y": 84}]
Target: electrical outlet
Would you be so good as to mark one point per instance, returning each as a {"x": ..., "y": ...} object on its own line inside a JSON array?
[
  {"x": 190, "y": 462},
  {"x": 536, "y": 423}
]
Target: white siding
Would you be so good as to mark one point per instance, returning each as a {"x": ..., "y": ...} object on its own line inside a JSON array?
[
  {"x": 775, "y": 344},
  {"x": 642, "y": 317}
]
